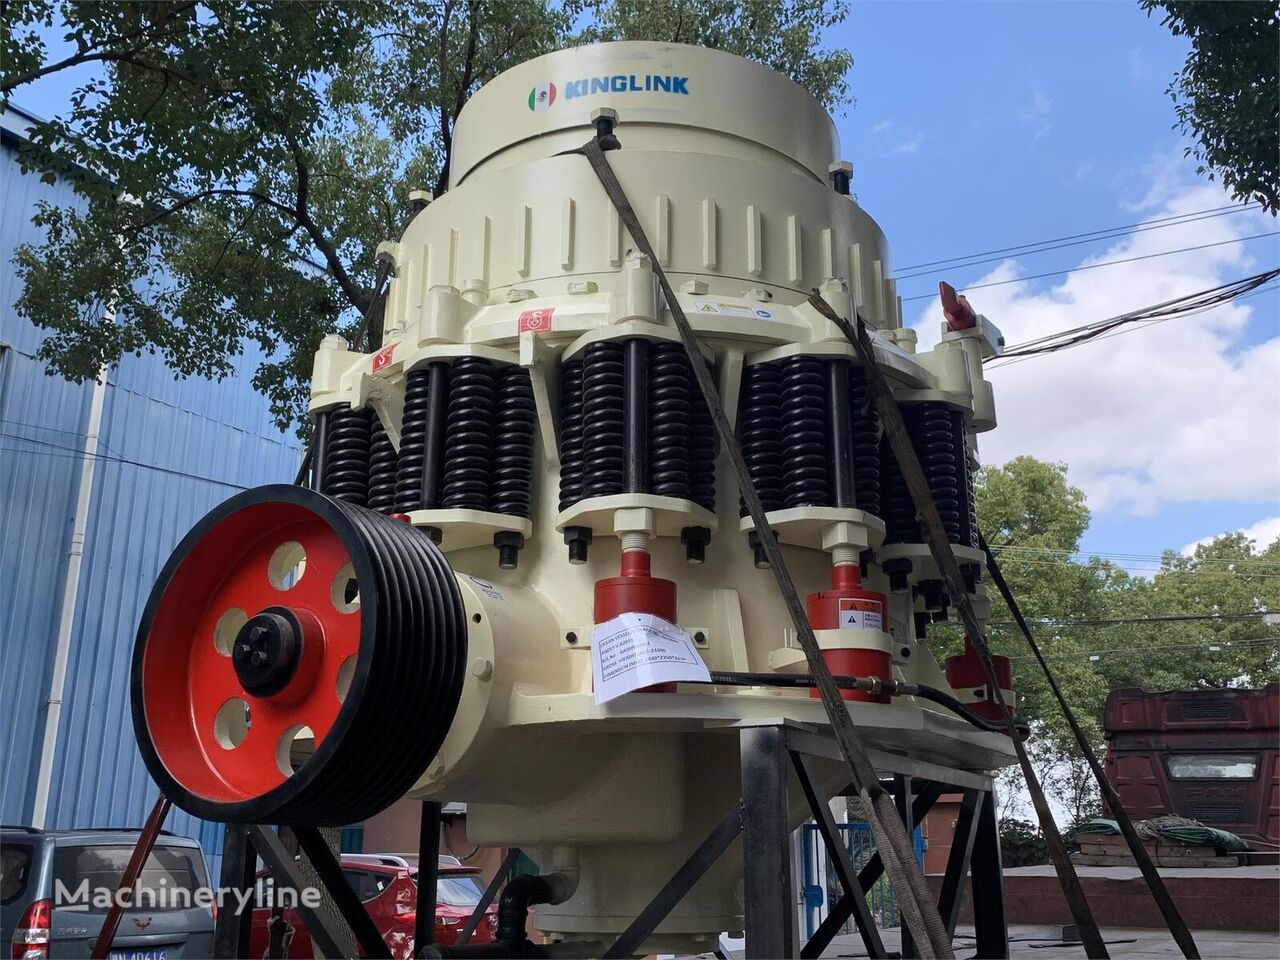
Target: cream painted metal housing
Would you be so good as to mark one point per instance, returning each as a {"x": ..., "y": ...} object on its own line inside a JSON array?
[{"x": 525, "y": 261}]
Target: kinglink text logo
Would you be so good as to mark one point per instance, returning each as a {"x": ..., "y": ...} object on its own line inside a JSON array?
[{"x": 544, "y": 94}]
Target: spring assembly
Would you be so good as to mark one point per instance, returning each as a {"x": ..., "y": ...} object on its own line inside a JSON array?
[
  {"x": 513, "y": 443},
  {"x": 468, "y": 435},
  {"x": 760, "y": 431},
  {"x": 805, "y": 470},
  {"x": 413, "y": 434},
  {"x": 898, "y": 511},
  {"x": 382, "y": 469},
  {"x": 935, "y": 429},
  {"x": 703, "y": 449},
  {"x": 603, "y": 423},
  {"x": 570, "y": 433},
  {"x": 669, "y": 421},
  {"x": 866, "y": 443},
  {"x": 972, "y": 512},
  {"x": 346, "y": 471}
]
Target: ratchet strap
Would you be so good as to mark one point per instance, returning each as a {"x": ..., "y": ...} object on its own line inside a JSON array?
[
  {"x": 1159, "y": 892},
  {"x": 915, "y": 899}
]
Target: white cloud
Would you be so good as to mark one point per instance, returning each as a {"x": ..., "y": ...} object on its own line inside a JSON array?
[
  {"x": 902, "y": 145},
  {"x": 1180, "y": 412},
  {"x": 882, "y": 126},
  {"x": 910, "y": 145},
  {"x": 1263, "y": 533},
  {"x": 1034, "y": 114}
]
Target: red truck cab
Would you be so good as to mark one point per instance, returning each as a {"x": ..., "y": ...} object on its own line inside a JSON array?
[{"x": 1212, "y": 755}]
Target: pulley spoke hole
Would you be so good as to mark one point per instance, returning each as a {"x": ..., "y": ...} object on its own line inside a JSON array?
[
  {"x": 225, "y": 630},
  {"x": 346, "y": 592},
  {"x": 287, "y": 565},
  {"x": 345, "y": 673},
  {"x": 231, "y": 723},
  {"x": 295, "y": 747}
]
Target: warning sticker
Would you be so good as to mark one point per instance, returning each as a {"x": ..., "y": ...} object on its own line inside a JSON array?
[
  {"x": 636, "y": 650},
  {"x": 539, "y": 321},
  {"x": 861, "y": 614},
  {"x": 384, "y": 356},
  {"x": 731, "y": 309}
]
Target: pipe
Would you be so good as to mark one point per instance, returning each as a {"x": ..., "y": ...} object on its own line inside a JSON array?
[{"x": 70, "y": 591}]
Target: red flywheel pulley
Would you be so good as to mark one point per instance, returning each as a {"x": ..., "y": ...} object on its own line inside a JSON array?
[{"x": 299, "y": 661}]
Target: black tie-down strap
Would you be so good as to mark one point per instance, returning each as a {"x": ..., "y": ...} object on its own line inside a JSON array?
[
  {"x": 916, "y": 902},
  {"x": 940, "y": 546},
  {"x": 1159, "y": 892}
]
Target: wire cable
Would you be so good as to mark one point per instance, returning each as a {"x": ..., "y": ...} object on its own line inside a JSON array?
[{"x": 1101, "y": 263}]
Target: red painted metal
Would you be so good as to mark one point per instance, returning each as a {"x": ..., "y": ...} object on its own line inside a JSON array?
[
  {"x": 186, "y": 679},
  {"x": 960, "y": 315},
  {"x": 635, "y": 591},
  {"x": 1145, "y": 729},
  {"x": 847, "y": 597},
  {"x": 965, "y": 673},
  {"x": 141, "y": 851}
]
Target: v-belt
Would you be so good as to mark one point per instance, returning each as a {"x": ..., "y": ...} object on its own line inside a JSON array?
[{"x": 915, "y": 899}]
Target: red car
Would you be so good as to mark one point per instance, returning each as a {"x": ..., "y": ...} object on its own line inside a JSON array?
[{"x": 388, "y": 885}]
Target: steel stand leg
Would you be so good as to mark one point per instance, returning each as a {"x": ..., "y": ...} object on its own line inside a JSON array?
[
  {"x": 239, "y": 860},
  {"x": 952, "y": 894},
  {"x": 902, "y": 800},
  {"x": 424, "y": 924},
  {"x": 767, "y": 892},
  {"x": 988, "y": 885}
]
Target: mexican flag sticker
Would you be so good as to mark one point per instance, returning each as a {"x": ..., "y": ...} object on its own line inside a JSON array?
[{"x": 542, "y": 96}]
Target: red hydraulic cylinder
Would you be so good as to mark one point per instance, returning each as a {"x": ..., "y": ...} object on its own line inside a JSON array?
[
  {"x": 847, "y": 605},
  {"x": 965, "y": 673},
  {"x": 636, "y": 591}
]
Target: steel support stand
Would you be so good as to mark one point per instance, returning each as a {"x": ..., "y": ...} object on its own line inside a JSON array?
[
  {"x": 990, "y": 925},
  {"x": 424, "y": 922},
  {"x": 767, "y": 899},
  {"x": 902, "y": 800},
  {"x": 491, "y": 891},
  {"x": 239, "y": 862},
  {"x": 962, "y": 843},
  {"x": 137, "y": 860}
]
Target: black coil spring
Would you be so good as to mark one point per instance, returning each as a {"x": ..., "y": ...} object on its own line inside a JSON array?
[
  {"x": 760, "y": 431},
  {"x": 382, "y": 469},
  {"x": 413, "y": 435},
  {"x": 972, "y": 512},
  {"x": 898, "y": 510},
  {"x": 935, "y": 429},
  {"x": 805, "y": 467},
  {"x": 570, "y": 433},
  {"x": 468, "y": 435},
  {"x": 669, "y": 421},
  {"x": 513, "y": 444},
  {"x": 346, "y": 470},
  {"x": 866, "y": 443},
  {"x": 603, "y": 427},
  {"x": 704, "y": 446}
]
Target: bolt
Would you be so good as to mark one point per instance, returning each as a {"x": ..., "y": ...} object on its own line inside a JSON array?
[
  {"x": 579, "y": 542},
  {"x": 259, "y": 658},
  {"x": 242, "y": 650},
  {"x": 700, "y": 638},
  {"x": 509, "y": 545},
  {"x": 760, "y": 558},
  {"x": 695, "y": 540},
  {"x": 571, "y": 638},
  {"x": 605, "y": 119},
  {"x": 257, "y": 634},
  {"x": 906, "y": 652}
]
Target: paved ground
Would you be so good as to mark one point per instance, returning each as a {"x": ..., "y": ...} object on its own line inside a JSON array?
[{"x": 1042, "y": 943}]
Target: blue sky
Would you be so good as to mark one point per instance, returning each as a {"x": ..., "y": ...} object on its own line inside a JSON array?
[
  {"x": 979, "y": 126},
  {"x": 982, "y": 125}
]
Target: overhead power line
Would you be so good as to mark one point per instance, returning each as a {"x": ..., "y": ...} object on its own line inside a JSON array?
[
  {"x": 1074, "y": 240},
  {"x": 1215, "y": 646},
  {"x": 1130, "y": 227},
  {"x": 1182, "y": 306},
  {"x": 1056, "y": 624},
  {"x": 1101, "y": 263}
]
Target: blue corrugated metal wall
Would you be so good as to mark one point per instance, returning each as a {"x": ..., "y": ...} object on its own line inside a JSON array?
[{"x": 169, "y": 451}]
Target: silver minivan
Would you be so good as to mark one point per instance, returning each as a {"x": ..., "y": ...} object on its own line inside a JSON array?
[{"x": 56, "y": 887}]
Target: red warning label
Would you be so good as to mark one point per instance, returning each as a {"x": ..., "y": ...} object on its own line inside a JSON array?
[
  {"x": 539, "y": 321},
  {"x": 861, "y": 614},
  {"x": 384, "y": 356}
]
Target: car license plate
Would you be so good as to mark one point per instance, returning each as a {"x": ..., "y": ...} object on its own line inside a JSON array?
[{"x": 155, "y": 953}]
